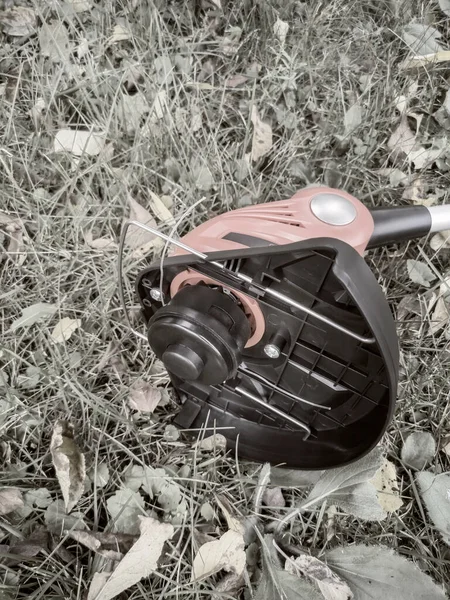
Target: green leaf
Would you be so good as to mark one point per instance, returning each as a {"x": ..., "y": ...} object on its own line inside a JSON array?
[
  {"x": 278, "y": 584},
  {"x": 340, "y": 483},
  {"x": 418, "y": 450},
  {"x": 435, "y": 492},
  {"x": 377, "y": 573}
]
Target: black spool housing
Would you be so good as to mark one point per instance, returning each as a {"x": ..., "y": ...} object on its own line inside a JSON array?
[{"x": 342, "y": 389}]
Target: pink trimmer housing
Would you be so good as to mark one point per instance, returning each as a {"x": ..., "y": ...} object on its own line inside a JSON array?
[{"x": 281, "y": 222}]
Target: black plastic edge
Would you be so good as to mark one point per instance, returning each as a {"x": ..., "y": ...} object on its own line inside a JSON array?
[{"x": 399, "y": 224}]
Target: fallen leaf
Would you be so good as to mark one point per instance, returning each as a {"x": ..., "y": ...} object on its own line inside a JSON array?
[
  {"x": 435, "y": 492},
  {"x": 40, "y": 498},
  {"x": 31, "y": 545},
  {"x": 262, "y": 136},
  {"x": 102, "y": 243},
  {"x": 317, "y": 572},
  {"x": 236, "y": 80},
  {"x": 69, "y": 463},
  {"x": 196, "y": 118},
  {"x": 99, "y": 475},
  {"x": 33, "y": 314},
  {"x": 402, "y": 141},
  {"x": 419, "y": 272},
  {"x": 79, "y": 6},
  {"x": 171, "y": 433},
  {"x": 376, "y": 572},
  {"x": 446, "y": 448},
  {"x": 421, "y": 61},
  {"x": 440, "y": 240},
  {"x": 273, "y": 497},
  {"x": 131, "y": 109},
  {"x": 121, "y": 32},
  {"x": 64, "y": 329},
  {"x": 439, "y": 317},
  {"x": 349, "y": 487},
  {"x": 110, "y": 545},
  {"x": 226, "y": 553},
  {"x": 137, "y": 238},
  {"x": 18, "y": 21},
  {"x": 144, "y": 397},
  {"x": 164, "y": 69},
  {"x": 98, "y": 582},
  {"x": 54, "y": 41},
  {"x": 386, "y": 485},
  {"x": 140, "y": 561},
  {"x": 277, "y": 584},
  {"x": 133, "y": 477},
  {"x": 287, "y": 478},
  {"x": 79, "y": 142},
  {"x": 160, "y": 209},
  {"x": 417, "y": 192},
  {"x": 207, "y": 511},
  {"x": 125, "y": 507},
  {"x": 203, "y": 179},
  {"x": 280, "y": 29},
  {"x": 13, "y": 230},
  {"x": 229, "y": 44},
  {"x": 422, "y": 39},
  {"x": 217, "y": 441},
  {"x": 444, "y": 5},
  {"x": 10, "y": 500},
  {"x": 58, "y": 521},
  {"x": 233, "y": 522},
  {"x": 352, "y": 118},
  {"x": 418, "y": 450},
  {"x": 159, "y": 106}
]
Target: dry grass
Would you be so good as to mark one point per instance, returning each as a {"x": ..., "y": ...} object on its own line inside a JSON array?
[{"x": 335, "y": 53}]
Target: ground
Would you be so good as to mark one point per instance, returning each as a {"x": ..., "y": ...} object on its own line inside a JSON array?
[{"x": 170, "y": 86}]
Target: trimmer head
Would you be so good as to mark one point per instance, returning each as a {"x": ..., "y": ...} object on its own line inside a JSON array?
[{"x": 275, "y": 332}]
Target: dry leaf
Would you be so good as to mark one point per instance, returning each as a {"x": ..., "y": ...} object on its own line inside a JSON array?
[
  {"x": 385, "y": 482},
  {"x": 419, "y": 272},
  {"x": 103, "y": 243},
  {"x": 440, "y": 240},
  {"x": 54, "y": 41},
  {"x": 273, "y": 497},
  {"x": 139, "y": 562},
  {"x": 79, "y": 6},
  {"x": 352, "y": 118},
  {"x": 262, "y": 136},
  {"x": 97, "y": 584},
  {"x": 13, "y": 230},
  {"x": 418, "y": 450},
  {"x": 64, "y": 329},
  {"x": 421, "y": 61},
  {"x": 69, "y": 463},
  {"x": 58, "y": 521},
  {"x": 331, "y": 586},
  {"x": 126, "y": 507},
  {"x": 402, "y": 141},
  {"x": 99, "y": 475},
  {"x": 280, "y": 29},
  {"x": 10, "y": 499},
  {"x": 236, "y": 80},
  {"x": 121, "y": 32},
  {"x": 131, "y": 109},
  {"x": 18, "y": 21},
  {"x": 212, "y": 442},
  {"x": 137, "y": 238},
  {"x": 160, "y": 209},
  {"x": 79, "y": 142},
  {"x": 444, "y": 5},
  {"x": 144, "y": 397},
  {"x": 33, "y": 314},
  {"x": 233, "y": 522},
  {"x": 422, "y": 39},
  {"x": 439, "y": 318},
  {"x": 110, "y": 545},
  {"x": 226, "y": 553},
  {"x": 196, "y": 118}
]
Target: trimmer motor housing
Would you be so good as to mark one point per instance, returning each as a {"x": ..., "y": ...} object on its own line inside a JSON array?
[{"x": 276, "y": 333}]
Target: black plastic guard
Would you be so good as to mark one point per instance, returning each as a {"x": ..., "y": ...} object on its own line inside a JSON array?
[{"x": 342, "y": 389}]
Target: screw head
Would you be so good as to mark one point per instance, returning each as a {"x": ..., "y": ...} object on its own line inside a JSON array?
[
  {"x": 156, "y": 294},
  {"x": 272, "y": 351}
]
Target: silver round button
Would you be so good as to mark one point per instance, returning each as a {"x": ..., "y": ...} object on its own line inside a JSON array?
[{"x": 333, "y": 209}]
